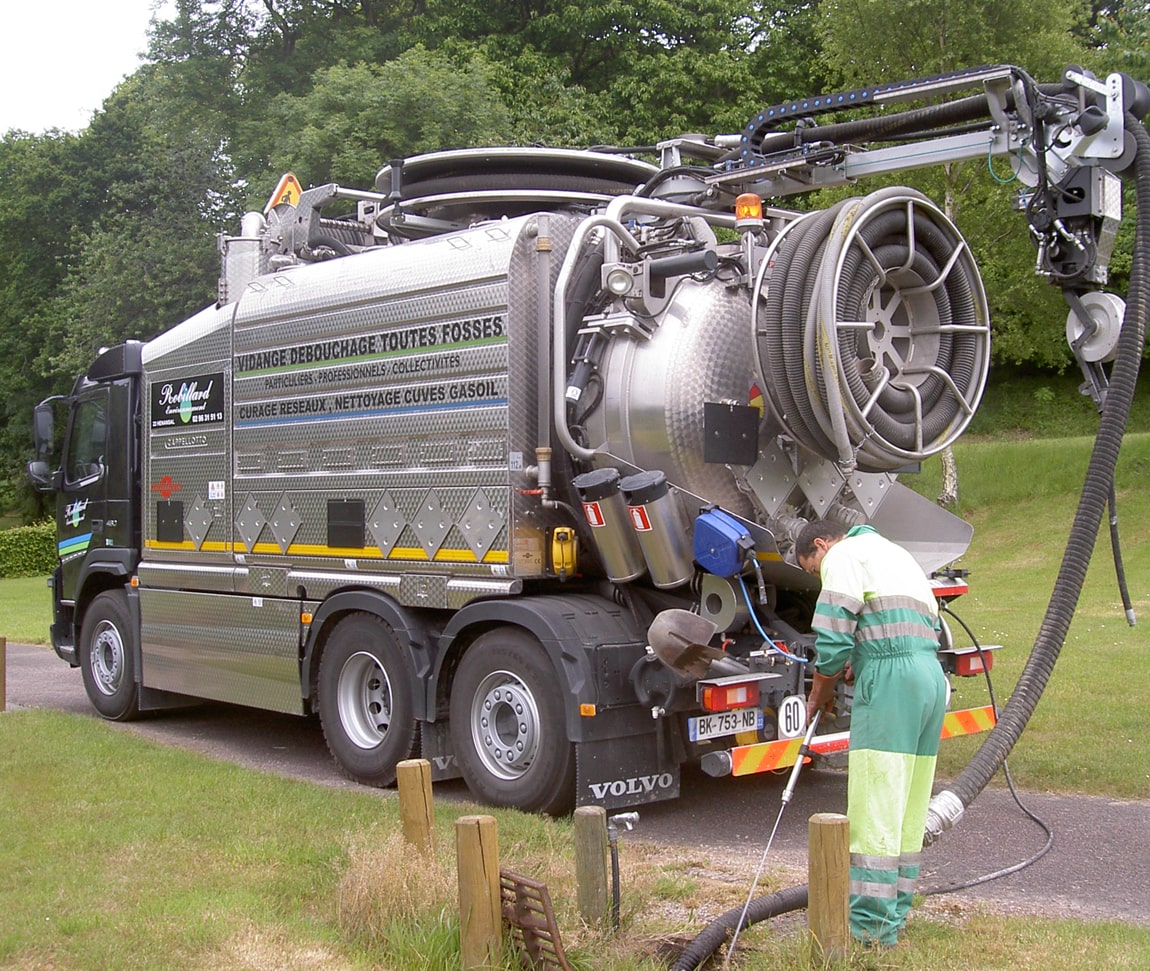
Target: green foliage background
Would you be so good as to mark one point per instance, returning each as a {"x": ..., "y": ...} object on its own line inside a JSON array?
[
  {"x": 28, "y": 551},
  {"x": 110, "y": 232}
]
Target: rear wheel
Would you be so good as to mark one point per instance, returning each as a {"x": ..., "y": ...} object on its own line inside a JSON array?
[
  {"x": 365, "y": 700},
  {"x": 507, "y": 724},
  {"x": 108, "y": 657}
]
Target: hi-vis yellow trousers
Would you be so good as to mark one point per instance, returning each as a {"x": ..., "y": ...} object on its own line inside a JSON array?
[{"x": 899, "y": 704}]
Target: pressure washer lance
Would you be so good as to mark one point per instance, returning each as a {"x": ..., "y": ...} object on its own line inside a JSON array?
[
  {"x": 788, "y": 792},
  {"x": 628, "y": 820}
]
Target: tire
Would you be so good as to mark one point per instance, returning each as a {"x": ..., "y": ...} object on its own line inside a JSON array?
[
  {"x": 508, "y": 727},
  {"x": 365, "y": 700},
  {"x": 109, "y": 646}
]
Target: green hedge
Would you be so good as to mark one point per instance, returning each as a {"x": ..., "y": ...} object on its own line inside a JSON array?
[{"x": 28, "y": 551}]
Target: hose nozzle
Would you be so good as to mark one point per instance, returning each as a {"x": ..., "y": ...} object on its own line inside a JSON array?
[{"x": 944, "y": 811}]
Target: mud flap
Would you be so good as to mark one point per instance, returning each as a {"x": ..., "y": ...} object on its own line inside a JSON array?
[
  {"x": 435, "y": 746},
  {"x": 619, "y": 772}
]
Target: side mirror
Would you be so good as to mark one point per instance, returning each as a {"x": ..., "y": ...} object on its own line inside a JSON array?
[
  {"x": 40, "y": 475},
  {"x": 44, "y": 429}
]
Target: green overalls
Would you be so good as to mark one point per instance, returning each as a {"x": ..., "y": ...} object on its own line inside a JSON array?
[{"x": 878, "y": 610}]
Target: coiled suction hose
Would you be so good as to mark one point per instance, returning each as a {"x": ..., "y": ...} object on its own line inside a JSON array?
[
  {"x": 892, "y": 354},
  {"x": 948, "y": 805}
]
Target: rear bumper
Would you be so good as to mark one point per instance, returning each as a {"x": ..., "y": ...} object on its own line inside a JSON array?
[{"x": 780, "y": 754}]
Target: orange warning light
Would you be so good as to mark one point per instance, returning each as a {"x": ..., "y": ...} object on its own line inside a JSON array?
[{"x": 748, "y": 211}]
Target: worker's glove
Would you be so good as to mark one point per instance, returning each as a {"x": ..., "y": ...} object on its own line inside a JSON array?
[{"x": 822, "y": 694}]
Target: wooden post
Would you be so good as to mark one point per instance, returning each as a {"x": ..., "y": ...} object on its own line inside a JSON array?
[
  {"x": 591, "y": 861},
  {"x": 3, "y": 674},
  {"x": 480, "y": 913},
  {"x": 828, "y": 881},
  {"x": 416, "y": 810}
]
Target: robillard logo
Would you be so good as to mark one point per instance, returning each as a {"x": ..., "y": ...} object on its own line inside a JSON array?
[
  {"x": 191, "y": 401},
  {"x": 635, "y": 786},
  {"x": 185, "y": 398},
  {"x": 74, "y": 512}
]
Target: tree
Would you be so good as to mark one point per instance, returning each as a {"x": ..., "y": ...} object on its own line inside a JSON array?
[
  {"x": 873, "y": 40},
  {"x": 1119, "y": 36},
  {"x": 149, "y": 259},
  {"x": 357, "y": 117},
  {"x": 650, "y": 69},
  {"x": 47, "y": 198}
]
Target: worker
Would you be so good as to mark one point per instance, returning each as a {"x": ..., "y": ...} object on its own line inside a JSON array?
[{"x": 876, "y": 621}]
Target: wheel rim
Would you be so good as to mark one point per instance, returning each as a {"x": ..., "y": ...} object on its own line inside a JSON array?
[
  {"x": 106, "y": 658},
  {"x": 505, "y": 725},
  {"x": 364, "y": 700}
]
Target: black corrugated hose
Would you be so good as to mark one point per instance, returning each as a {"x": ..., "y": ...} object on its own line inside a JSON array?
[
  {"x": 1095, "y": 493},
  {"x": 1067, "y": 587},
  {"x": 719, "y": 931}
]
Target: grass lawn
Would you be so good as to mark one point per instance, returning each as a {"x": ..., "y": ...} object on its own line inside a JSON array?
[
  {"x": 120, "y": 854},
  {"x": 25, "y": 610}
]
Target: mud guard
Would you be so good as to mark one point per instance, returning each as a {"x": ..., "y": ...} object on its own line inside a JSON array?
[{"x": 616, "y": 773}]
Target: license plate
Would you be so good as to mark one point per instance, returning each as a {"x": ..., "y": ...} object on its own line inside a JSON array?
[{"x": 721, "y": 723}]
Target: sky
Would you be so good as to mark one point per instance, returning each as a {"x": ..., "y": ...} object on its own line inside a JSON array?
[{"x": 59, "y": 59}]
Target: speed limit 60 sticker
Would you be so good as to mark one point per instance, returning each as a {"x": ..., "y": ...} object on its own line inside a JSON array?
[{"x": 792, "y": 716}]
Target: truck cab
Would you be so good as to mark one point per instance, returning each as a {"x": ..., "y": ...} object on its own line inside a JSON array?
[{"x": 95, "y": 481}]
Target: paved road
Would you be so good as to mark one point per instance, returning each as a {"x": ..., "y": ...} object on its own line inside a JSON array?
[{"x": 1097, "y": 868}]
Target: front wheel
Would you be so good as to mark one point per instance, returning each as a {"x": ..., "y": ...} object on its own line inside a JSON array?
[
  {"x": 108, "y": 657},
  {"x": 507, "y": 724},
  {"x": 365, "y": 700}
]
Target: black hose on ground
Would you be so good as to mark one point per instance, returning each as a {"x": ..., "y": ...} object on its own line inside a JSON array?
[
  {"x": 719, "y": 931},
  {"x": 1119, "y": 566},
  {"x": 948, "y": 805},
  {"x": 1041, "y": 823}
]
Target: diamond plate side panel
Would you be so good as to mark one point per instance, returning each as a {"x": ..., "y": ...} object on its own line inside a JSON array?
[
  {"x": 385, "y": 524},
  {"x": 395, "y": 378},
  {"x": 186, "y": 454},
  {"x": 432, "y": 524},
  {"x": 284, "y": 523},
  {"x": 821, "y": 482},
  {"x": 480, "y": 524},
  {"x": 198, "y": 522},
  {"x": 771, "y": 478}
]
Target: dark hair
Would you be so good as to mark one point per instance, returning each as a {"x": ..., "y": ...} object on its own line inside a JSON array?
[{"x": 816, "y": 529}]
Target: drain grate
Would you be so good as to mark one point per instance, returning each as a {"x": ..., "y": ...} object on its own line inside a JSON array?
[{"x": 527, "y": 909}]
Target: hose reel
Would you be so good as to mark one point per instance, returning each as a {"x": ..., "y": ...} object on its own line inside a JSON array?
[{"x": 872, "y": 331}]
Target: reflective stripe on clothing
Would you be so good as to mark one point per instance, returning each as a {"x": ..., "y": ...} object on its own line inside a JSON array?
[
  {"x": 874, "y": 890},
  {"x": 874, "y": 593}
]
